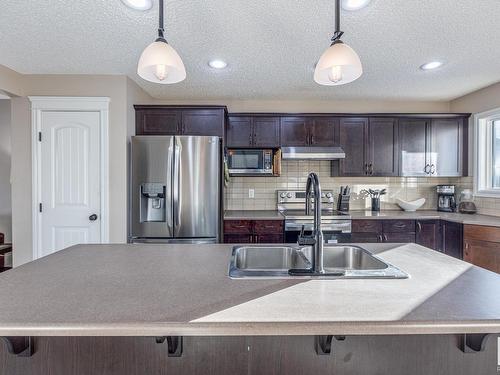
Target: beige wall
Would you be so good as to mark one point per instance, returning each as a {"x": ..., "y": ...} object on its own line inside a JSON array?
[
  {"x": 5, "y": 151},
  {"x": 21, "y": 181},
  {"x": 479, "y": 101},
  {"x": 122, "y": 93},
  {"x": 11, "y": 81},
  {"x": 135, "y": 95},
  {"x": 322, "y": 106}
]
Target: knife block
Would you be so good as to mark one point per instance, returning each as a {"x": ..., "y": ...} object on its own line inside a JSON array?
[{"x": 343, "y": 202}]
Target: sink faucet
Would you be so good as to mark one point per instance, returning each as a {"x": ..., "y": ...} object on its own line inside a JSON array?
[{"x": 316, "y": 238}]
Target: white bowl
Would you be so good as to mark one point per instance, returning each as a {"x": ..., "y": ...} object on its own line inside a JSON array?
[{"x": 410, "y": 206}]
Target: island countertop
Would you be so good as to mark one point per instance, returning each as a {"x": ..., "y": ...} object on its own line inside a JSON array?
[{"x": 160, "y": 290}]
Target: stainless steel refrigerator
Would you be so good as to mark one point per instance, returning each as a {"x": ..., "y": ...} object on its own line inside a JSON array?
[{"x": 175, "y": 189}]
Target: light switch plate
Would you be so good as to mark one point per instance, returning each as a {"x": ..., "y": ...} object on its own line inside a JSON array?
[{"x": 251, "y": 193}]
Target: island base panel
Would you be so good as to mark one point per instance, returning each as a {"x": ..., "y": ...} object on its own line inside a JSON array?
[{"x": 409, "y": 355}]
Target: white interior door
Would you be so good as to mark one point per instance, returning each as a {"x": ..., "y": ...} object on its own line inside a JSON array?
[{"x": 69, "y": 179}]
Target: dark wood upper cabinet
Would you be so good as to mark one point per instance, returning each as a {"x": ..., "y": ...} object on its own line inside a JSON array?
[
  {"x": 383, "y": 147},
  {"x": 239, "y": 132},
  {"x": 413, "y": 134},
  {"x": 434, "y": 147},
  {"x": 203, "y": 122},
  {"x": 429, "y": 234},
  {"x": 322, "y": 131},
  {"x": 157, "y": 121},
  {"x": 446, "y": 151},
  {"x": 308, "y": 131},
  {"x": 266, "y": 132},
  {"x": 353, "y": 138},
  {"x": 294, "y": 131},
  {"x": 253, "y": 132},
  {"x": 179, "y": 120}
]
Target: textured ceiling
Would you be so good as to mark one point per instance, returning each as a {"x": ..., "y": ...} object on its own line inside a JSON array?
[{"x": 271, "y": 45}]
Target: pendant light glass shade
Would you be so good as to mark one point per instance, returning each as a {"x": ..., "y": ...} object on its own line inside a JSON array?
[
  {"x": 160, "y": 63},
  {"x": 338, "y": 65}
]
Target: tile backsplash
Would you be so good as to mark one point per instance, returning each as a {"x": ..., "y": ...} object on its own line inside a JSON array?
[{"x": 294, "y": 176}]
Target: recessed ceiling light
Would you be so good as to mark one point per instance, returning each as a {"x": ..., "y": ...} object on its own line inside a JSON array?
[
  {"x": 354, "y": 4},
  {"x": 431, "y": 65},
  {"x": 217, "y": 64},
  {"x": 139, "y": 4}
]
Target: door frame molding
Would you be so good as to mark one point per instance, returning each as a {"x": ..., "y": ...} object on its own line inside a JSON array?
[{"x": 39, "y": 104}]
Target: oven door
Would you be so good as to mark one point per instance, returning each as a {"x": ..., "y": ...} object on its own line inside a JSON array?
[
  {"x": 248, "y": 162},
  {"x": 334, "y": 231}
]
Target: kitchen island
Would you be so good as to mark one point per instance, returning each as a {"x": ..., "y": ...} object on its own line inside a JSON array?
[{"x": 150, "y": 291}]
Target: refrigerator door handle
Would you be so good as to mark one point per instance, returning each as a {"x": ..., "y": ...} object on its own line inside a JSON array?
[
  {"x": 176, "y": 188},
  {"x": 169, "y": 197}
]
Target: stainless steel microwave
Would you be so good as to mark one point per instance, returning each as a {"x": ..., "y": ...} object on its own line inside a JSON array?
[{"x": 250, "y": 162}]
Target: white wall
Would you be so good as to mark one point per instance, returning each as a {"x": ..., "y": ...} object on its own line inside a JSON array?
[{"x": 5, "y": 151}]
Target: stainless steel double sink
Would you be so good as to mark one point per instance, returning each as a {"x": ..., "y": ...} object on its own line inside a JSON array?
[{"x": 339, "y": 262}]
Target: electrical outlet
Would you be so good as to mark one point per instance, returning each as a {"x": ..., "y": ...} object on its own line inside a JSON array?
[{"x": 251, "y": 193}]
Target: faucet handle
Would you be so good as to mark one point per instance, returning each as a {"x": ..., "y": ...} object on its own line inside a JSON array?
[{"x": 305, "y": 240}]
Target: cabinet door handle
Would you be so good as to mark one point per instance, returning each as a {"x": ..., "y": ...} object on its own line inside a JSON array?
[
  {"x": 250, "y": 139},
  {"x": 370, "y": 169},
  {"x": 312, "y": 139},
  {"x": 256, "y": 239},
  {"x": 419, "y": 227},
  {"x": 366, "y": 169},
  {"x": 425, "y": 169},
  {"x": 433, "y": 169},
  {"x": 385, "y": 238},
  {"x": 379, "y": 237}
]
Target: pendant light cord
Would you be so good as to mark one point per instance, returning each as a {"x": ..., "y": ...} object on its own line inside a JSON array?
[
  {"x": 161, "y": 27},
  {"x": 338, "y": 34}
]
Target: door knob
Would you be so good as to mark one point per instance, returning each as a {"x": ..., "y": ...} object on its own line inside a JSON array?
[{"x": 93, "y": 217}]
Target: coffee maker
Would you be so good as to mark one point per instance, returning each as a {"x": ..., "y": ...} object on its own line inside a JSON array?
[{"x": 446, "y": 198}]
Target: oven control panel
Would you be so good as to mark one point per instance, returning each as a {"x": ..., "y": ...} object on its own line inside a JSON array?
[{"x": 299, "y": 196}]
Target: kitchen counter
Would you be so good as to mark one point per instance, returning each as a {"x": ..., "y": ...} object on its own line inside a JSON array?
[
  {"x": 158, "y": 290},
  {"x": 475, "y": 219},
  {"x": 253, "y": 215}
]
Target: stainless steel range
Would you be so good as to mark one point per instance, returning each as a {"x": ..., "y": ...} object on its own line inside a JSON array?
[{"x": 336, "y": 225}]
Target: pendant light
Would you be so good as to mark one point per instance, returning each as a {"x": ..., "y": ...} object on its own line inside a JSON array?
[
  {"x": 339, "y": 64},
  {"x": 159, "y": 62}
]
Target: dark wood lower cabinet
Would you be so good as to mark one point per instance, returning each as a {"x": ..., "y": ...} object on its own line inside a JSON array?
[
  {"x": 452, "y": 239},
  {"x": 391, "y": 231},
  {"x": 238, "y": 238},
  {"x": 273, "y": 355},
  {"x": 483, "y": 254},
  {"x": 399, "y": 237},
  {"x": 365, "y": 237},
  {"x": 253, "y": 231},
  {"x": 482, "y": 246},
  {"x": 429, "y": 234}
]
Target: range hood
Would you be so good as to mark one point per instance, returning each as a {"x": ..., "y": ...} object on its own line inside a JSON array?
[{"x": 312, "y": 153}]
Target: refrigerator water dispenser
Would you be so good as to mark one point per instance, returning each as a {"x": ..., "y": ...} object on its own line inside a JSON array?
[{"x": 152, "y": 197}]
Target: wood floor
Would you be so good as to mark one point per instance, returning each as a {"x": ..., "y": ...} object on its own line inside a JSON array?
[{"x": 384, "y": 355}]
